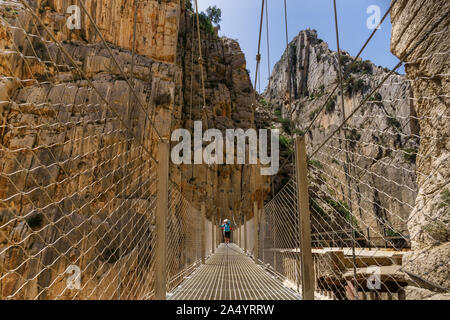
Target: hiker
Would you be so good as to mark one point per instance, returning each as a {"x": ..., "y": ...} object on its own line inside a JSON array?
[{"x": 226, "y": 226}]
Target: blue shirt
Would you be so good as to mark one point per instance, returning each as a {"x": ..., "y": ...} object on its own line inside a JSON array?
[{"x": 226, "y": 227}]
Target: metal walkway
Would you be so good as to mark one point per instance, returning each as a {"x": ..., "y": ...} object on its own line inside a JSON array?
[{"x": 229, "y": 274}]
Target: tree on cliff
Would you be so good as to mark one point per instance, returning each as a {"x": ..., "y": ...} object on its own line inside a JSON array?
[
  {"x": 212, "y": 15},
  {"x": 215, "y": 15},
  {"x": 189, "y": 5}
]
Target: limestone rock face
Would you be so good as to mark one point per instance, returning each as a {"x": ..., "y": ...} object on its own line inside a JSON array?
[
  {"x": 74, "y": 177},
  {"x": 75, "y": 169},
  {"x": 377, "y": 135},
  {"x": 230, "y": 100},
  {"x": 420, "y": 36},
  {"x": 156, "y": 24}
]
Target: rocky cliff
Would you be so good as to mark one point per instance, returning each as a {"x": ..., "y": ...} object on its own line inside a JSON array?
[
  {"x": 420, "y": 36},
  {"x": 379, "y": 135},
  {"x": 63, "y": 149},
  {"x": 156, "y": 24},
  {"x": 230, "y": 100}
]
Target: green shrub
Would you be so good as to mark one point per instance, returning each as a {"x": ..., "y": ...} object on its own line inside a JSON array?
[
  {"x": 364, "y": 67},
  {"x": 331, "y": 105},
  {"x": 410, "y": 154},
  {"x": 314, "y": 113},
  {"x": 352, "y": 85},
  {"x": 315, "y": 163},
  {"x": 214, "y": 15},
  {"x": 315, "y": 207},
  {"x": 188, "y": 5},
  {"x": 277, "y": 111},
  {"x": 438, "y": 230},
  {"x": 389, "y": 232},
  {"x": 377, "y": 98},
  {"x": 344, "y": 59},
  {"x": 287, "y": 125},
  {"x": 317, "y": 93},
  {"x": 340, "y": 206},
  {"x": 205, "y": 23},
  {"x": 392, "y": 121},
  {"x": 344, "y": 211},
  {"x": 353, "y": 138},
  {"x": 285, "y": 180},
  {"x": 353, "y": 135},
  {"x": 285, "y": 142},
  {"x": 445, "y": 197}
]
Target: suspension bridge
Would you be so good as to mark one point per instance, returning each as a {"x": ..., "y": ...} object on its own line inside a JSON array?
[{"x": 118, "y": 227}]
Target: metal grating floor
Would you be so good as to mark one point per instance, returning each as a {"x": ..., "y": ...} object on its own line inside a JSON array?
[{"x": 229, "y": 274}]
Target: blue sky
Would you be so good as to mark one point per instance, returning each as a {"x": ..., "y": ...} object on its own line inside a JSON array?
[{"x": 240, "y": 20}]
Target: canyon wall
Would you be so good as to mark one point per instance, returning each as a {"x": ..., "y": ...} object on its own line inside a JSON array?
[
  {"x": 420, "y": 37},
  {"x": 75, "y": 179},
  {"x": 156, "y": 24},
  {"x": 379, "y": 137},
  {"x": 76, "y": 168},
  {"x": 230, "y": 100}
]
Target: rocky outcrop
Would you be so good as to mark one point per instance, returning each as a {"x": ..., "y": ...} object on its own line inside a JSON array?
[
  {"x": 380, "y": 136},
  {"x": 156, "y": 24},
  {"x": 230, "y": 99},
  {"x": 63, "y": 149},
  {"x": 73, "y": 177},
  {"x": 420, "y": 36}
]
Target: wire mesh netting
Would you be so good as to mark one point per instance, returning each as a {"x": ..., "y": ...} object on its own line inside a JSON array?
[
  {"x": 363, "y": 189},
  {"x": 184, "y": 238},
  {"x": 78, "y": 180},
  {"x": 280, "y": 235}
]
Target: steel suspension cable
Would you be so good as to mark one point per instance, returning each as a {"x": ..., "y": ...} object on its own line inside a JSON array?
[
  {"x": 258, "y": 55},
  {"x": 346, "y": 166},
  {"x": 204, "y": 113},
  {"x": 287, "y": 54},
  {"x": 192, "y": 80},
  {"x": 200, "y": 59},
  {"x": 268, "y": 46}
]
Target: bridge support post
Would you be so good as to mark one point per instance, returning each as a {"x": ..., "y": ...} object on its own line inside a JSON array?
[
  {"x": 245, "y": 234},
  {"x": 203, "y": 231},
  {"x": 218, "y": 222},
  {"x": 162, "y": 211},
  {"x": 263, "y": 225},
  {"x": 307, "y": 267},
  {"x": 218, "y": 228},
  {"x": 256, "y": 235},
  {"x": 213, "y": 242},
  {"x": 218, "y": 234},
  {"x": 239, "y": 236}
]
